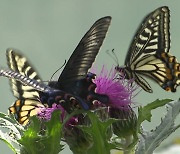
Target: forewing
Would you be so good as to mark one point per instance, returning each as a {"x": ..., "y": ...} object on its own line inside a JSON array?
[
  {"x": 153, "y": 36},
  {"x": 85, "y": 53},
  {"x": 19, "y": 64}
]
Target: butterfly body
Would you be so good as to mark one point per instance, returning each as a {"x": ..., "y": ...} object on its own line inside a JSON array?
[
  {"x": 83, "y": 88},
  {"x": 148, "y": 55}
]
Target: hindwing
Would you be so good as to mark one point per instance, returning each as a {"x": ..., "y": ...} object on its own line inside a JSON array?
[
  {"x": 28, "y": 97},
  {"x": 24, "y": 109}
]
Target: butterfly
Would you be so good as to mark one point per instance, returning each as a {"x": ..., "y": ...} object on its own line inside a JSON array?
[
  {"x": 26, "y": 86},
  {"x": 75, "y": 84},
  {"x": 148, "y": 55}
]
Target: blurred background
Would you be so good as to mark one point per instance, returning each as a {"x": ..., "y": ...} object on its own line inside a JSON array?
[{"x": 47, "y": 32}]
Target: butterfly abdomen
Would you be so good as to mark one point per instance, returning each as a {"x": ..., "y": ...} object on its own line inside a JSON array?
[{"x": 83, "y": 89}]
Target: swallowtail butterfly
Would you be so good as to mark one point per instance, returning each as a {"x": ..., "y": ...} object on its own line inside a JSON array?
[
  {"x": 149, "y": 55},
  {"x": 74, "y": 85}
]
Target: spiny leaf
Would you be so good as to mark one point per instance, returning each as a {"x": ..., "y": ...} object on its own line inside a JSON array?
[
  {"x": 99, "y": 133},
  {"x": 43, "y": 137},
  {"x": 11, "y": 133},
  {"x": 149, "y": 141},
  {"x": 144, "y": 113},
  {"x": 8, "y": 140}
]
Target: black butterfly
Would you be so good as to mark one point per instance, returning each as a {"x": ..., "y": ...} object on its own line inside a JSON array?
[
  {"x": 149, "y": 55},
  {"x": 73, "y": 86}
]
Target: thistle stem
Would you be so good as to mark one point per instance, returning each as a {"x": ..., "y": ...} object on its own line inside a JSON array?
[{"x": 128, "y": 141}]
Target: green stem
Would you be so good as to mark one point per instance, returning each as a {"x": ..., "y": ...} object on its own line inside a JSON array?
[{"x": 128, "y": 141}]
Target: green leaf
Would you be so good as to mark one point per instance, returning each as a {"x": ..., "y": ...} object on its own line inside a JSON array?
[
  {"x": 149, "y": 141},
  {"x": 99, "y": 133},
  {"x": 43, "y": 137},
  {"x": 144, "y": 113}
]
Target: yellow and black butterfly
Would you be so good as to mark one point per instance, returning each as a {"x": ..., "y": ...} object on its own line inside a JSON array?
[
  {"x": 74, "y": 83},
  {"x": 28, "y": 99},
  {"x": 149, "y": 55}
]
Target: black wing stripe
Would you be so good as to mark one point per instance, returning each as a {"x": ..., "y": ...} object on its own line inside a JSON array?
[
  {"x": 19, "y": 64},
  {"x": 143, "y": 83}
]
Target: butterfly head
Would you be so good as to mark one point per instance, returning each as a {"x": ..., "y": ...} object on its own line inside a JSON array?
[
  {"x": 122, "y": 72},
  {"x": 53, "y": 84}
]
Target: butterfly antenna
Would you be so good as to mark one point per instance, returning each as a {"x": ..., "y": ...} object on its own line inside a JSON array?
[
  {"x": 57, "y": 70},
  {"x": 113, "y": 56}
]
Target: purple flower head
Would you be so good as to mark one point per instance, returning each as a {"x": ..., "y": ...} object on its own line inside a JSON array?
[
  {"x": 119, "y": 90},
  {"x": 45, "y": 113},
  {"x": 72, "y": 122}
]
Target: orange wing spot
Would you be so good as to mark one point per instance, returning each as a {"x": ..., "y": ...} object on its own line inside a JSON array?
[
  {"x": 177, "y": 66},
  {"x": 168, "y": 71},
  {"x": 163, "y": 55},
  {"x": 169, "y": 76},
  {"x": 12, "y": 109},
  {"x": 177, "y": 74},
  {"x": 18, "y": 103},
  {"x": 168, "y": 89},
  {"x": 172, "y": 59}
]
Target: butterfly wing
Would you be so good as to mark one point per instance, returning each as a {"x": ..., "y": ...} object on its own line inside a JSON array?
[
  {"x": 85, "y": 53},
  {"x": 148, "y": 55},
  {"x": 20, "y": 64},
  {"x": 28, "y": 89},
  {"x": 24, "y": 109},
  {"x": 28, "y": 97},
  {"x": 153, "y": 37},
  {"x": 165, "y": 70}
]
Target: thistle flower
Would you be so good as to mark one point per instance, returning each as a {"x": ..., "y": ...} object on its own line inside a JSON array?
[
  {"x": 45, "y": 113},
  {"x": 127, "y": 123},
  {"x": 119, "y": 91},
  {"x": 77, "y": 140}
]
